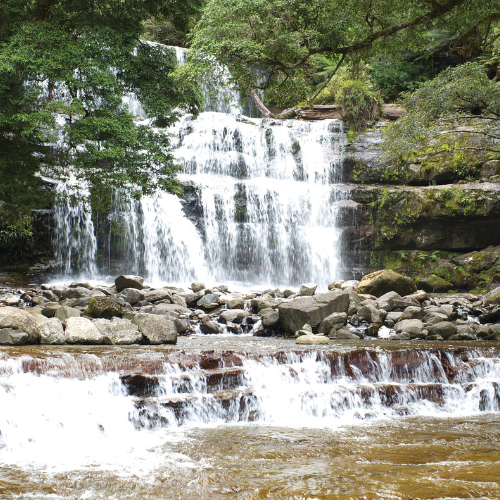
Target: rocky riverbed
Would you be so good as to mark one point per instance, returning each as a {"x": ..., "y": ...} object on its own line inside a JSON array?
[{"x": 383, "y": 305}]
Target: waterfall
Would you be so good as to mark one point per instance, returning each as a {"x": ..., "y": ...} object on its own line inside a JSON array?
[
  {"x": 88, "y": 407},
  {"x": 264, "y": 211}
]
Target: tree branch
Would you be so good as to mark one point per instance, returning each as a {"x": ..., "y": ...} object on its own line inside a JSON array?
[{"x": 262, "y": 107}]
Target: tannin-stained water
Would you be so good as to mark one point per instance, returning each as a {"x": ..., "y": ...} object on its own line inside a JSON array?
[{"x": 218, "y": 417}]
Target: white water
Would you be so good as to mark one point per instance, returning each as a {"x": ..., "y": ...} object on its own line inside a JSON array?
[
  {"x": 74, "y": 412},
  {"x": 267, "y": 213}
]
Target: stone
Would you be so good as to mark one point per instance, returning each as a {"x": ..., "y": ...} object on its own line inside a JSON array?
[
  {"x": 13, "y": 301},
  {"x": 157, "y": 295},
  {"x": 444, "y": 328},
  {"x": 127, "y": 281},
  {"x": 50, "y": 308},
  {"x": 234, "y": 315},
  {"x": 37, "y": 301},
  {"x": 75, "y": 293},
  {"x": 170, "y": 309},
  {"x": 354, "y": 301},
  {"x": 82, "y": 284},
  {"x": 369, "y": 313},
  {"x": 493, "y": 297},
  {"x": 346, "y": 333},
  {"x": 434, "y": 283},
  {"x": 270, "y": 317},
  {"x": 307, "y": 289},
  {"x": 65, "y": 312},
  {"x": 208, "y": 301},
  {"x": 179, "y": 300},
  {"x": 82, "y": 331},
  {"x": 13, "y": 336},
  {"x": 381, "y": 282},
  {"x": 434, "y": 337},
  {"x": 210, "y": 326},
  {"x": 231, "y": 327},
  {"x": 349, "y": 284},
  {"x": 312, "y": 310},
  {"x": 119, "y": 331},
  {"x": 490, "y": 169},
  {"x": 158, "y": 330},
  {"x": 237, "y": 303},
  {"x": 385, "y": 301},
  {"x": 51, "y": 331},
  {"x": 132, "y": 295},
  {"x": 434, "y": 317},
  {"x": 312, "y": 340},
  {"x": 395, "y": 316},
  {"x": 413, "y": 312},
  {"x": 287, "y": 293},
  {"x": 332, "y": 322},
  {"x": 401, "y": 336},
  {"x": 462, "y": 336},
  {"x": 104, "y": 307},
  {"x": 411, "y": 326},
  {"x": 17, "y": 319},
  {"x": 197, "y": 286}
]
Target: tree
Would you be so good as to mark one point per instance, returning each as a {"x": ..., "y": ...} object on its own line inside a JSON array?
[
  {"x": 65, "y": 67},
  {"x": 272, "y": 45}
]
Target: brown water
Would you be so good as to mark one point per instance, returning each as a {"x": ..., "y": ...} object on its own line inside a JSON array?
[{"x": 377, "y": 451}]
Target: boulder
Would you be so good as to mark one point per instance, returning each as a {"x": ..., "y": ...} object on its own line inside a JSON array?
[
  {"x": 13, "y": 336},
  {"x": 332, "y": 322},
  {"x": 170, "y": 310},
  {"x": 158, "y": 330},
  {"x": 82, "y": 331},
  {"x": 210, "y": 326},
  {"x": 346, "y": 333},
  {"x": 354, "y": 300},
  {"x": 434, "y": 283},
  {"x": 307, "y": 289},
  {"x": 17, "y": 319},
  {"x": 493, "y": 297},
  {"x": 411, "y": 326},
  {"x": 104, "y": 307},
  {"x": 234, "y": 315},
  {"x": 132, "y": 295},
  {"x": 369, "y": 313},
  {"x": 15, "y": 301},
  {"x": 235, "y": 303},
  {"x": 208, "y": 301},
  {"x": 197, "y": 286},
  {"x": 127, "y": 281},
  {"x": 65, "y": 312},
  {"x": 444, "y": 328},
  {"x": 462, "y": 336},
  {"x": 270, "y": 317},
  {"x": 381, "y": 282},
  {"x": 118, "y": 331},
  {"x": 179, "y": 300},
  {"x": 51, "y": 331},
  {"x": 312, "y": 340},
  {"x": 395, "y": 316},
  {"x": 75, "y": 293},
  {"x": 385, "y": 301},
  {"x": 413, "y": 312},
  {"x": 157, "y": 295},
  {"x": 49, "y": 309},
  {"x": 312, "y": 310}
]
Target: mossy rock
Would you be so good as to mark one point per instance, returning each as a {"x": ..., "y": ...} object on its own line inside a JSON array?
[
  {"x": 434, "y": 283},
  {"x": 104, "y": 307}
]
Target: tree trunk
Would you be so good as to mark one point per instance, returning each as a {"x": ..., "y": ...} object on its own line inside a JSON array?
[{"x": 260, "y": 105}]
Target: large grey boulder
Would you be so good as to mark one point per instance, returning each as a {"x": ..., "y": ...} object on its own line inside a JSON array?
[
  {"x": 49, "y": 309},
  {"x": 17, "y": 319},
  {"x": 346, "y": 333},
  {"x": 411, "y": 326},
  {"x": 369, "y": 313},
  {"x": 210, "y": 327},
  {"x": 381, "y": 282},
  {"x": 444, "y": 328},
  {"x": 197, "y": 286},
  {"x": 75, "y": 293},
  {"x": 127, "y": 281},
  {"x": 82, "y": 331},
  {"x": 354, "y": 300},
  {"x": 235, "y": 303},
  {"x": 270, "y": 317},
  {"x": 158, "y": 330},
  {"x": 12, "y": 336},
  {"x": 132, "y": 295},
  {"x": 51, "y": 331},
  {"x": 104, "y": 307},
  {"x": 157, "y": 295},
  {"x": 208, "y": 301},
  {"x": 170, "y": 310},
  {"x": 312, "y": 310},
  {"x": 119, "y": 331}
]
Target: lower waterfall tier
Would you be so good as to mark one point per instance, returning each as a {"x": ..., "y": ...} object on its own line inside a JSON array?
[{"x": 227, "y": 418}]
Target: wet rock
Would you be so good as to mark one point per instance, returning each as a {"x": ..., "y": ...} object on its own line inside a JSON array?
[
  {"x": 462, "y": 336},
  {"x": 82, "y": 331},
  {"x": 413, "y": 312},
  {"x": 132, "y": 295},
  {"x": 332, "y": 322},
  {"x": 307, "y": 289},
  {"x": 312, "y": 340},
  {"x": 369, "y": 313},
  {"x": 157, "y": 295},
  {"x": 12, "y": 336},
  {"x": 287, "y": 293},
  {"x": 51, "y": 331},
  {"x": 354, "y": 301},
  {"x": 434, "y": 337},
  {"x": 127, "y": 281},
  {"x": 75, "y": 293},
  {"x": 410, "y": 326},
  {"x": 119, "y": 331},
  {"x": 210, "y": 326},
  {"x": 493, "y": 297},
  {"x": 395, "y": 316},
  {"x": 346, "y": 333},
  {"x": 179, "y": 300},
  {"x": 50, "y": 308},
  {"x": 401, "y": 336},
  {"x": 270, "y": 317},
  {"x": 81, "y": 284},
  {"x": 381, "y": 282},
  {"x": 235, "y": 303},
  {"x": 312, "y": 310},
  {"x": 208, "y": 301},
  {"x": 234, "y": 316},
  {"x": 158, "y": 330},
  {"x": 432, "y": 318},
  {"x": 384, "y": 302},
  {"x": 434, "y": 284},
  {"x": 172, "y": 310},
  {"x": 104, "y": 307},
  {"x": 231, "y": 327},
  {"x": 36, "y": 301},
  {"x": 64, "y": 312},
  {"x": 197, "y": 286},
  {"x": 17, "y": 319},
  {"x": 444, "y": 329}
]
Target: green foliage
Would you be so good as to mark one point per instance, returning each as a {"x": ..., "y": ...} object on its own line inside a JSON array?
[
  {"x": 454, "y": 117},
  {"x": 65, "y": 68},
  {"x": 359, "y": 104}
]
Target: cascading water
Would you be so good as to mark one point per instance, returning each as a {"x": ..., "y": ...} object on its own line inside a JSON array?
[{"x": 264, "y": 209}]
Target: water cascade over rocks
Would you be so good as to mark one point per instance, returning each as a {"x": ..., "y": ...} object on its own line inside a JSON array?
[{"x": 260, "y": 206}]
